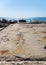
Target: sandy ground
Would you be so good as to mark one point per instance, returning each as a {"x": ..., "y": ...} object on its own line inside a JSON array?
[{"x": 25, "y": 40}]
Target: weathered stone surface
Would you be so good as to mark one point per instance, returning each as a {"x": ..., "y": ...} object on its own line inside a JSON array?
[
  {"x": 23, "y": 40},
  {"x": 24, "y": 63}
]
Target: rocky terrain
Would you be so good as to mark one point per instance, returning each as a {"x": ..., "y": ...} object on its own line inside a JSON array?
[
  {"x": 23, "y": 42},
  {"x": 24, "y": 63}
]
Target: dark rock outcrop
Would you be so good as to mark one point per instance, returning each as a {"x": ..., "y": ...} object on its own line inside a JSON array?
[{"x": 22, "y": 21}]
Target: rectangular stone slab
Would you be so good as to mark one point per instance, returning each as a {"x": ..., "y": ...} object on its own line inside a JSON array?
[{"x": 23, "y": 40}]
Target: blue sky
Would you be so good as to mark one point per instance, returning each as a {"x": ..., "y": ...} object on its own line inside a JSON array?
[{"x": 22, "y": 8}]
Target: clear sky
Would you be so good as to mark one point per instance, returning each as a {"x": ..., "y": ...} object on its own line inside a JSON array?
[{"x": 22, "y": 8}]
